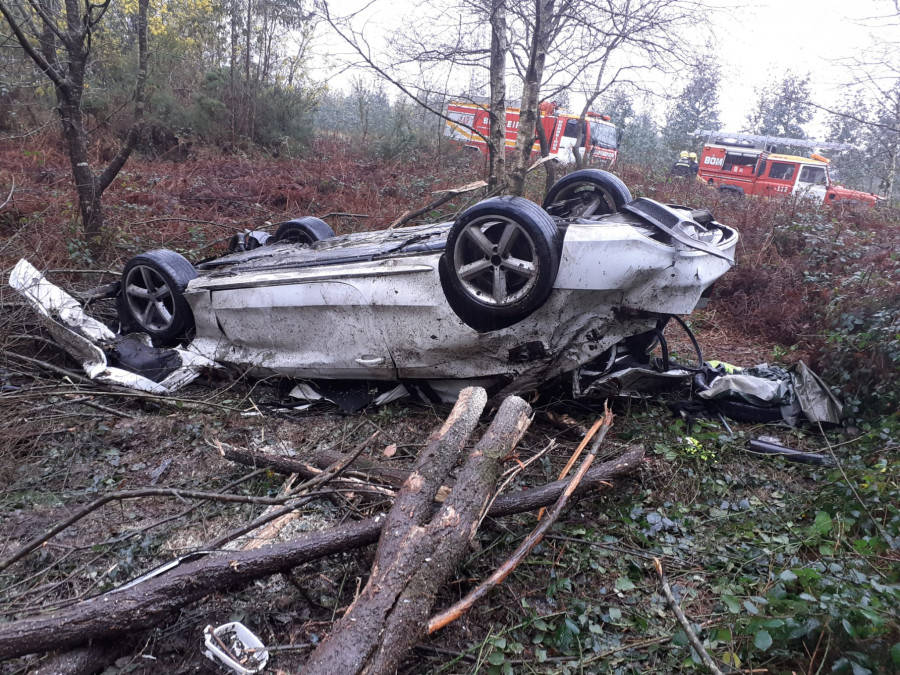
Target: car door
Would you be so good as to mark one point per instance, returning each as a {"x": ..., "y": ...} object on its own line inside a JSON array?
[
  {"x": 778, "y": 179},
  {"x": 308, "y": 328},
  {"x": 812, "y": 182}
]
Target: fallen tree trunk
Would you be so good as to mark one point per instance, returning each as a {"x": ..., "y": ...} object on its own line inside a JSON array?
[
  {"x": 544, "y": 524},
  {"x": 317, "y": 461},
  {"x": 150, "y": 602},
  {"x": 415, "y": 558}
]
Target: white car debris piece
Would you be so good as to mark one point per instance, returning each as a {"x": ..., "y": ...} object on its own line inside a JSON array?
[
  {"x": 234, "y": 646},
  {"x": 83, "y": 337},
  {"x": 510, "y": 295}
]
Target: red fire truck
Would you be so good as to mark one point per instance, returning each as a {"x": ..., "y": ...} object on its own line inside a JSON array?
[
  {"x": 742, "y": 164},
  {"x": 469, "y": 123}
]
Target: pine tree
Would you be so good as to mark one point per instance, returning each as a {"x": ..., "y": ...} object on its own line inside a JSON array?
[
  {"x": 848, "y": 124},
  {"x": 782, "y": 108},
  {"x": 696, "y": 107}
]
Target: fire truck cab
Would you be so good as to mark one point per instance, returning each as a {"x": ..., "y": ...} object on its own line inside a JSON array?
[
  {"x": 746, "y": 166},
  {"x": 469, "y": 123}
]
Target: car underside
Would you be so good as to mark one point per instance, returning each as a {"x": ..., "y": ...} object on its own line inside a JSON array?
[{"x": 509, "y": 295}]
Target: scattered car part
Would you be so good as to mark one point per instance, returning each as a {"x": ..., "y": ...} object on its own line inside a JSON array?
[
  {"x": 89, "y": 342},
  {"x": 741, "y": 397},
  {"x": 766, "y": 393},
  {"x": 236, "y": 647},
  {"x": 763, "y": 447}
]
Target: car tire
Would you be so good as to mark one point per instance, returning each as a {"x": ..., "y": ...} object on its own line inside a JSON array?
[
  {"x": 589, "y": 192},
  {"x": 303, "y": 231},
  {"x": 500, "y": 262},
  {"x": 152, "y": 299}
]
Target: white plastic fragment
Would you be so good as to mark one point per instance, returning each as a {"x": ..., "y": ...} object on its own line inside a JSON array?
[
  {"x": 234, "y": 646},
  {"x": 81, "y": 335}
]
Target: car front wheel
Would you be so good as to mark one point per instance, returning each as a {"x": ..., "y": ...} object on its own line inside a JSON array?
[
  {"x": 152, "y": 298},
  {"x": 500, "y": 263},
  {"x": 303, "y": 231}
]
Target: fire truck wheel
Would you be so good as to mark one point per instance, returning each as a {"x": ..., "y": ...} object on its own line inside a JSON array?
[
  {"x": 303, "y": 231},
  {"x": 152, "y": 299},
  {"x": 589, "y": 192},
  {"x": 500, "y": 263}
]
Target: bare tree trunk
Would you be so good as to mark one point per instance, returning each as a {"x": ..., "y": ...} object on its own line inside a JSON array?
[
  {"x": 245, "y": 126},
  {"x": 551, "y": 168},
  {"x": 528, "y": 116},
  {"x": 232, "y": 69},
  {"x": 499, "y": 50},
  {"x": 63, "y": 57}
]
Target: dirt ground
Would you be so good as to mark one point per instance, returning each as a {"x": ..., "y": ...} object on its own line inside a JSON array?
[{"x": 64, "y": 443}]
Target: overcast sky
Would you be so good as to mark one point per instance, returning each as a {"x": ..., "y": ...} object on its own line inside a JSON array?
[
  {"x": 758, "y": 40},
  {"x": 813, "y": 36}
]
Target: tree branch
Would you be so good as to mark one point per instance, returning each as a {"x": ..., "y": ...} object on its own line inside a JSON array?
[
  {"x": 29, "y": 49},
  {"x": 151, "y": 601}
]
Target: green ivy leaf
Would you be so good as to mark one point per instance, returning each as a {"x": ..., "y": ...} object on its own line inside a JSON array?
[
  {"x": 732, "y": 603},
  {"x": 624, "y": 584},
  {"x": 762, "y": 640},
  {"x": 823, "y": 523},
  {"x": 731, "y": 659}
]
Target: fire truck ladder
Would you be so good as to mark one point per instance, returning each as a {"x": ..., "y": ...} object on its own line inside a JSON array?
[{"x": 713, "y": 136}]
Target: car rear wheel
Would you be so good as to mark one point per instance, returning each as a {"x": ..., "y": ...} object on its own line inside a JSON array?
[
  {"x": 500, "y": 263},
  {"x": 152, "y": 299},
  {"x": 589, "y": 192},
  {"x": 303, "y": 231}
]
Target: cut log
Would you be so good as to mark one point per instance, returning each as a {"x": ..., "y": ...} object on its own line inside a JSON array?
[
  {"x": 416, "y": 558},
  {"x": 501, "y": 573},
  {"x": 144, "y": 605},
  {"x": 152, "y": 601}
]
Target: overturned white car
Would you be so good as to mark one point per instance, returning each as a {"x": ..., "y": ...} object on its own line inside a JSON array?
[{"x": 510, "y": 295}]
